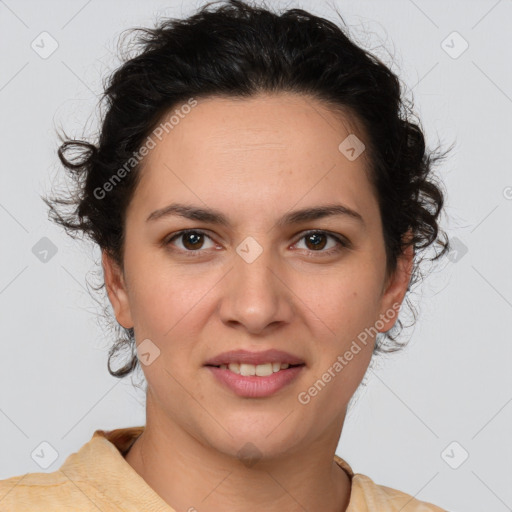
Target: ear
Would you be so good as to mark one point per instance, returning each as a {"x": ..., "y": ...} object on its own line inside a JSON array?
[
  {"x": 116, "y": 290},
  {"x": 395, "y": 289}
]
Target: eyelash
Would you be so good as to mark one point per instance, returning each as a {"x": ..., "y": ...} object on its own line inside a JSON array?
[{"x": 342, "y": 243}]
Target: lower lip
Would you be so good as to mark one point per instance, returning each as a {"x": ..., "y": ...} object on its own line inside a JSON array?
[{"x": 254, "y": 386}]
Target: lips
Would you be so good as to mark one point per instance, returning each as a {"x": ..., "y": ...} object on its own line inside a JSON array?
[
  {"x": 255, "y": 386},
  {"x": 255, "y": 358}
]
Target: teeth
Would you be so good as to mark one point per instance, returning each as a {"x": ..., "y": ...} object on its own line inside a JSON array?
[
  {"x": 250, "y": 369},
  {"x": 261, "y": 370}
]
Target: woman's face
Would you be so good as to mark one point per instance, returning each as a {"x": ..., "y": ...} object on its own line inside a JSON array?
[{"x": 254, "y": 283}]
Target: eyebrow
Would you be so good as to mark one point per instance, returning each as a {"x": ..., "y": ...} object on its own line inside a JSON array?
[{"x": 213, "y": 216}]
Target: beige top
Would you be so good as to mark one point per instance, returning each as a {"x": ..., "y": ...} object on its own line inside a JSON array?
[{"x": 98, "y": 478}]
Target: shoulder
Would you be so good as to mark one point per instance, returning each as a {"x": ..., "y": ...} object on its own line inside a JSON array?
[
  {"x": 381, "y": 498},
  {"x": 96, "y": 477},
  {"x": 38, "y": 492},
  {"x": 367, "y": 496},
  {"x": 77, "y": 485}
]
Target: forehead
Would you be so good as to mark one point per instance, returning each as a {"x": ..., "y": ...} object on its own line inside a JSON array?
[
  {"x": 273, "y": 122},
  {"x": 268, "y": 149}
]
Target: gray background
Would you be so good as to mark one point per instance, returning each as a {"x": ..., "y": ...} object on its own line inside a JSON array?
[{"x": 452, "y": 383}]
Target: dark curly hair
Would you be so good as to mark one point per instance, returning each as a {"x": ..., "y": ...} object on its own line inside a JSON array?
[{"x": 239, "y": 50}]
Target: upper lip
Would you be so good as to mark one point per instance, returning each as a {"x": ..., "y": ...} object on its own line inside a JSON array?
[{"x": 244, "y": 356}]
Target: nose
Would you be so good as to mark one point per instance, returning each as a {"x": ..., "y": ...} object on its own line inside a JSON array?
[{"x": 256, "y": 297}]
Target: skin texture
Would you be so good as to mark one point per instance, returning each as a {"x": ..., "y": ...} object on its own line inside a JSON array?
[{"x": 255, "y": 160}]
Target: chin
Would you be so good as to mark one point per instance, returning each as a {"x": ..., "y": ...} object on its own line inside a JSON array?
[{"x": 255, "y": 444}]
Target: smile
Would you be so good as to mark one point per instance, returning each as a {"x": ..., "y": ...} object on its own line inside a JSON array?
[
  {"x": 255, "y": 381},
  {"x": 261, "y": 370}
]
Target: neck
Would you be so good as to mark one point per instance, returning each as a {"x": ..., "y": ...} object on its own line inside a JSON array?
[{"x": 189, "y": 475}]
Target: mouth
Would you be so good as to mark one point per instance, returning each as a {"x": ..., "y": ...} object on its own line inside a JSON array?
[
  {"x": 259, "y": 370},
  {"x": 249, "y": 358},
  {"x": 252, "y": 374},
  {"x": 255, "y": 381}
]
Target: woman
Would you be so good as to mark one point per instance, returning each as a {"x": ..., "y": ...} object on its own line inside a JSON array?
[{"x": 260, "y": 199}]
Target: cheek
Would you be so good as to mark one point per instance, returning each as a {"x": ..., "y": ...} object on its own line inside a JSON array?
[
  {"x": 344, "y": 310},
  {"x": 343, "y": 301},
  {"x": 167, "y": 301},
  {"x": 342, "y": 355}
]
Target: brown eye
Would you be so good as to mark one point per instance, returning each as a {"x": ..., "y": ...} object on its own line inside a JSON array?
[
  {"x": 191, "y": 240},
  {"x": 314, "y": 241}
]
